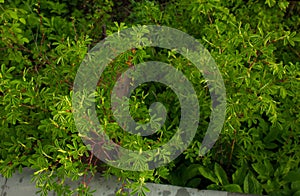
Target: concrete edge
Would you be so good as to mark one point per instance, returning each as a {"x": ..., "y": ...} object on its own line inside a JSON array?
[{"x": 20, "y": 184}]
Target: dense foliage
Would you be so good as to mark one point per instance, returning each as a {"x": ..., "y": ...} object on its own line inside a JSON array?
[{"x": 254, "y": 43}]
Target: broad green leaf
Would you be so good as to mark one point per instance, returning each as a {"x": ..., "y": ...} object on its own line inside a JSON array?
[
  {"x": 13, "y": 14},
  {"x": 296, "y": 185},
  {"x": 253, "y": 185},
  {"x": 213, "y": 187},
  {"x": 259, "y": 168},
  {"x": 239, "y": 175},
  {"x": 205, "y": 172},
  {"x": 22, "y": 20},
  {"x": 190, "y": 172},
  {"x": 264, "y": 170},
  {"x": 296, "y": 193},
  {"x": 292, "y": 176},
  {"x": 268, "y": 167},
  {"x": 194, "y": 183},
  {"x": 175, "y": 176},
  {"x": 233, "y": 188},
  {"x": 221, "y": 174}
]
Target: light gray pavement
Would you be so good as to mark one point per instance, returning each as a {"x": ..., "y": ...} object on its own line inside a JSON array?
[{"x": 20, "y": 184}]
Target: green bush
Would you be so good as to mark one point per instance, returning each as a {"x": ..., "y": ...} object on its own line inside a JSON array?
[{"x": 255, "y": 45}]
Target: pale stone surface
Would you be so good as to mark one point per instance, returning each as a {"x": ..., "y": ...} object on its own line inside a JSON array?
[{"x": 20, "y": 184}]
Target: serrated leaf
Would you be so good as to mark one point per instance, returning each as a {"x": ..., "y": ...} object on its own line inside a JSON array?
[
  {"x": 257, "y": 189},
  {"x": 268, "y": 167},
  {"x": 251, "y": 185},
  {"x": 260, "y": 169},
  {"x": 246, "y": 184}
]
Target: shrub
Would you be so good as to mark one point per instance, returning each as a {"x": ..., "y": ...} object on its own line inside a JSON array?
[{"x": 254, "y": 44}]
